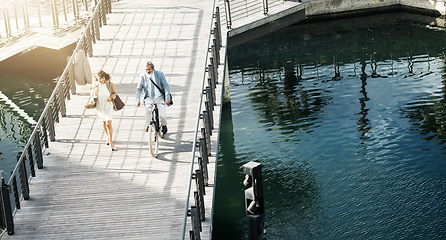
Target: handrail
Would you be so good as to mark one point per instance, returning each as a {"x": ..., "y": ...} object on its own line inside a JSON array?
[
  {"x": 18, "y": 20},
  {"x": 194, "y": 145},
  {"x": 85, "y": 41}
]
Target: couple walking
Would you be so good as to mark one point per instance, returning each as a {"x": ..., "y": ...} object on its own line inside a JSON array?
[{"x": 152, "y": 85}]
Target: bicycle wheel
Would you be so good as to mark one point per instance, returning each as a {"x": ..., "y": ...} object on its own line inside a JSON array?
[{"x": 153, "y": 141}]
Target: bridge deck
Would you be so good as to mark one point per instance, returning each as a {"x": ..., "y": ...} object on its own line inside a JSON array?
[{"x": 86, "y": 191}]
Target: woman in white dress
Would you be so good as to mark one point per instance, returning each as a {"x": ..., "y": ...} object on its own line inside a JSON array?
[{"x": 104, "y": 92}]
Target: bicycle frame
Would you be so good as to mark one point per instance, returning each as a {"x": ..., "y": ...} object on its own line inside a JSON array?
[{"x": 155, "y": 117}]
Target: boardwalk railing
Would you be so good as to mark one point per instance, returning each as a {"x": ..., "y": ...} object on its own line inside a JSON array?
[
  {"x": 17, "y": 188},
  {"x": 240, "y": 9},
  {"x": 203, "y": 143},
  {"x": 18, "y": 17}
]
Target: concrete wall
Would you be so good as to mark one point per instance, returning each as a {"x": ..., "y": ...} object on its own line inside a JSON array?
[{"x": 324, "y": 7}]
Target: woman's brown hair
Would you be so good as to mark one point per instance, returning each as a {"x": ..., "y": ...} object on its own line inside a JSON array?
[{"x": 104, "y": 75}]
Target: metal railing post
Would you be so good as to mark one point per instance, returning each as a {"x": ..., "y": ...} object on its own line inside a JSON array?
[
  {"x": 75, "y": 10},
  {"x": 7, "y": 22},
  {"x": 25, "y": 14},
  {"x": 50, "y": 120},
  {"x": 196, "y": 224},
  {"x": 31, "y": 161},
  {"x": 15, "y": 191},
  {"x": 23, "y": 177},
  {"x": 55, "y": 15},
  {"x": 211, "y": 115},
  {"x": 38, "y": 148},
  {"x": 228, "y": 14},
  {"x": 204, "y": 169},
  {"x": 7, "y": 210},
  {"x": 65, "y": 13},
  {"x": 39, "y": 13},
  {"x": 16, "y": 17},
  {"x": 63, "y": 107},
  {"x": 265, "y": 7}
]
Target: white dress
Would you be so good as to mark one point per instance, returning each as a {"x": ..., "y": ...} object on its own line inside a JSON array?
[{"x": 104, "y": 109}]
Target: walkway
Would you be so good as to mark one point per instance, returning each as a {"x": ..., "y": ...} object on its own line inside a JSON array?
[{"x": 86, "y": 191}]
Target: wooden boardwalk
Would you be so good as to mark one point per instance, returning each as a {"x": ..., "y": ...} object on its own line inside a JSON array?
[{"x": 86, "y": 191}]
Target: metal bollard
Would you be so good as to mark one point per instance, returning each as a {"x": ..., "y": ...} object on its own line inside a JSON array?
[{"x": 255, "y": 210}]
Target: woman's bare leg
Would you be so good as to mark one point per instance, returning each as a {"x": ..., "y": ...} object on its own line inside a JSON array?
[
  {"x": 104, "y": 124},
  {"x": 110, "y": 133}
]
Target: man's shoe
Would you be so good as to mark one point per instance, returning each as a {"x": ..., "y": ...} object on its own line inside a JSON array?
[
  {"x": 164, "y": 129},
  {"x": 147, "y": 128}
]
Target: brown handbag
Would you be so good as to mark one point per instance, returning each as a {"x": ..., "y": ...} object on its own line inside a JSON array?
[
  {"x": 91, "y": 105},
  {"x": 118, "y": 104}
]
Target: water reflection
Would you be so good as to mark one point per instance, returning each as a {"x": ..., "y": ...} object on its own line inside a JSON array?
[
  {"x": 363, "y": 122},
  {"x": 25, "y": 81},
  {"x": 347, "y": 118}
]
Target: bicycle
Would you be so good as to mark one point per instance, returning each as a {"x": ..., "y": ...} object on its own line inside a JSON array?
[{"x": 154, "y": 131}]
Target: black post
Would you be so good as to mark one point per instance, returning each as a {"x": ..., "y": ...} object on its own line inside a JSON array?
[
  {"x": 211, "y": 115},
  {"x": 23, "y": 177},
  {"x": 196, "y": 223},
  {"x": 7, "y": 210},
  {"x": 38, "y": 149},
  {"x": 207, "y": 140},
  {"x": 31, "y": 161},
  {"x": 228, "y": 14},
  {"x": 16, "y": 191},
  {"x": 204, "y": 170},
  {"x": 255, "y": 210}
]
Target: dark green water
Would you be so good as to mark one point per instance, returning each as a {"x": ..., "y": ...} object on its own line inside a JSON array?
[
  {"x": 25, "y": 81},
  {"x": 348, "y": 119}
]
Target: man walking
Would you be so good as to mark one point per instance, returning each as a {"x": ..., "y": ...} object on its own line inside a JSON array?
[{"x": 154, "y": 87}]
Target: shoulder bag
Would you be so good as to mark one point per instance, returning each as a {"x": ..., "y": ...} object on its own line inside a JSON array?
[{"x": 164, "y": 93}]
